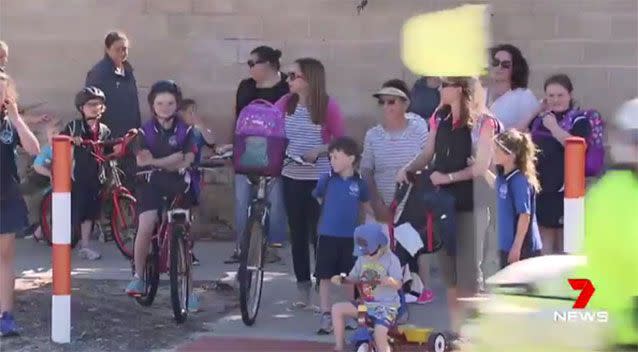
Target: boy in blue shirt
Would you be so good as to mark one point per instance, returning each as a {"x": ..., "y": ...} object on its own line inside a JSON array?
[{"x": 341, "y": 192}]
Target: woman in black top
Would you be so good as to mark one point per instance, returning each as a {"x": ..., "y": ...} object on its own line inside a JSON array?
[
  {"x": 268, "y": 83},
  {"x": 460, "y": 129},
  {"x": 558, "y": 103},
  {"x": 114, "y": 76}
]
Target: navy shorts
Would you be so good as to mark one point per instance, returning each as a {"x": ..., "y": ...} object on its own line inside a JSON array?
[
  {"x": 334, "y": 256},
  {"x": 14, "y": 216},
  {"x": 150, "y": 195},
  {"x": 85, "y": 203}
]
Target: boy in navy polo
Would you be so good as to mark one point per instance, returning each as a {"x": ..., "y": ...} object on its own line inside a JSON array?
[{"x": 341, "y": 193}]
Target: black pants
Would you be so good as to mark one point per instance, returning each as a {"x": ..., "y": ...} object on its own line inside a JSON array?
[{"x": 303, "y": 216}]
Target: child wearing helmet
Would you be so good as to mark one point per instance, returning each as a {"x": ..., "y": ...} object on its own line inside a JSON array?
[
  {"x": 379, "y": 271},
  {"x": 88, "y": 175},
  {"x": 165, "y": 143}
]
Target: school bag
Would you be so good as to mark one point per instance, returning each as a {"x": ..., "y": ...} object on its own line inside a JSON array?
[
  {"x": 595, "y": 154},
  {"x": 430, "y": 211},
  {"x": 260, "y": 140}
]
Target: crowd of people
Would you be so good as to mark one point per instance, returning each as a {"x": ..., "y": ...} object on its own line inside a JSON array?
[{"x": 489, "y": 142}]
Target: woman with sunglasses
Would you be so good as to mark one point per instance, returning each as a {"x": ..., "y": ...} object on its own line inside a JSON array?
[
  {"x": 268, "y": 83},
  {"x": 313, "y": 120},
  {"x": 509, "y": 98},
  {"x": 387, "y": 147},
  {"x": 461, "y": 129}
]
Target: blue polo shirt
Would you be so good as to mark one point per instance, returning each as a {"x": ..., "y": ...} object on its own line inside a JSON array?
[
  {"x": 516, "y": 196},
  {"x": 341, "y": 201}
]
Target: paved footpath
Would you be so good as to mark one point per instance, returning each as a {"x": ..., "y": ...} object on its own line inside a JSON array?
[{"x": 278, "y": 328}]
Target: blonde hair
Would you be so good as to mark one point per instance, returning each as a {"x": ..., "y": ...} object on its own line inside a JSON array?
[
  {"x": 524, "y": 150},
  {"x": 11, "y": 91},
  {"x": 473, "y": 99}
]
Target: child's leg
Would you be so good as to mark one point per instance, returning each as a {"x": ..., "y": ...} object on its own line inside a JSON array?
[
  {"x": 339, "y": 312},
  {"x": 85, "y": 230},
  {"x": 147, "y": 221},
  {"x": 7, "y": 267},
  {"x": 324, "y": 295},
  {"x": 423, "y": 263},
  {"x": 381, "y": 338}
]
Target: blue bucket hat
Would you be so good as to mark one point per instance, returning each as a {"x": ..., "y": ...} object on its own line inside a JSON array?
[{"x": 368, "y": 238}]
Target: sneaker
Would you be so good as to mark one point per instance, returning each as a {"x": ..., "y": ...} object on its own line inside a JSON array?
[
  {"x": 8, "y": 325},
  {"x": 193, "y": 303},
  {"x": 352, "y": 324},
  {"x": 195, "y": 260},
  {"x": 234, "y": 259},
  {"x": 325, "y": 324},
  {"x": 272, "y": 256},
  {"x": 426, "y": 296},
  {"x": 135, "y": 287},
  {"x": 89, "y": 254}
]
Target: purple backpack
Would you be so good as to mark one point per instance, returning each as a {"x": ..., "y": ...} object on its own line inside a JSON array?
[
  {"x": 260, "y": 140},
  {"x": 595, "y": 154}
]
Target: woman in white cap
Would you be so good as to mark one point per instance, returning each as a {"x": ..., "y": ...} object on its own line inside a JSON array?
[{"x": 388, "y": 147}]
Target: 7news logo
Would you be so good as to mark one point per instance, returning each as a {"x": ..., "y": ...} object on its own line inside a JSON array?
[{"x": 578, "y": 312}]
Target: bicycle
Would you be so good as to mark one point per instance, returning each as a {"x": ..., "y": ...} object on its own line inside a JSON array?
[
  {"x": 171, "y": 250},
  {"x": 122, "y": 213},
  {"x": 252, "y": 249}
]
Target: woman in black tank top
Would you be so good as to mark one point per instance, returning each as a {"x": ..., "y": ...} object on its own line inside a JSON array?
[{"x": 461, "y": 125}]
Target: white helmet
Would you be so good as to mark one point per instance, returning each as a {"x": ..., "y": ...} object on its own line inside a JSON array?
[{"x": 626, "y": 118}]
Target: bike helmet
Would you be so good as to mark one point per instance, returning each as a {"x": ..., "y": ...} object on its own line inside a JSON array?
[
  {"x": 164, "y": 86},
  {"x": 86, "y": 94}
]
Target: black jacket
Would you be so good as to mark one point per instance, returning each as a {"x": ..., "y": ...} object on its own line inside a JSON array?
[{"x": 122, "y": 104}]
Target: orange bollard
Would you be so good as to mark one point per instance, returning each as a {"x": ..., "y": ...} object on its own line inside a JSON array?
[
  {"x": 61, "y": 251},
  {"x": 574, "y": 208}
]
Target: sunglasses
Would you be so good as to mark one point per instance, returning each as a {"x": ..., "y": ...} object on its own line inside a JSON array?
[
  {"x": 383, "y": 102},
  {"x": 293, "y": 76},
  {"x": 252, "y": 63},
  {"x": 506, "y": 64}
]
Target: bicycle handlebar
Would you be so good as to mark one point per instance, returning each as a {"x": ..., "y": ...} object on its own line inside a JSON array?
[{"x": 98, "y": 145}]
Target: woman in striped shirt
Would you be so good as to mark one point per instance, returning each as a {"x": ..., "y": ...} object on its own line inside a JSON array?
[{"x": 313, "y": 119}]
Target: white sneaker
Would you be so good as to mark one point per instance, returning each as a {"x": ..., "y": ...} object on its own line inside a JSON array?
[{"x": 89, "y": 254}]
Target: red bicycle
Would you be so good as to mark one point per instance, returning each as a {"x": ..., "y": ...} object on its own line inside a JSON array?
[
  {"x": 171, "y": 248},
  {"x": 120, "y": 208}
]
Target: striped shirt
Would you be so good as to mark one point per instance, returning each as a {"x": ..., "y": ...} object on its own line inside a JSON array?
[
  {"x": 385, "y": 153},
  {"x": 303, "y": 135}
]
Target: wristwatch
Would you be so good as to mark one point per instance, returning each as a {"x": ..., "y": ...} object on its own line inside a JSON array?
[{"x": 451, "y": 176}]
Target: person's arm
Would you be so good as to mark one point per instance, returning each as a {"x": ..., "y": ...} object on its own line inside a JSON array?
[
  {"x": 364, "y": 198},
  {"x": 367, "y": 168},
  {"x": 490, "y": 178},
  {"x": 28, "y": 141},
  {"x": 320, "y": 190},
  {"x": 427, "y": 154},
  {"x": 484, "y": 154},
  {"x": 580, "y": 128},
  {"x": 395, "y": 275},
  {"x": 208, "y": 135},
  {"x": 522, "y": 198},
  {"x": 42, "y": 170}
]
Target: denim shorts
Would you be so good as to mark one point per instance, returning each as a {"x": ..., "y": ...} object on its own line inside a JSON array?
[
  {"x": 14, "y": 216},
  {"x": 381, "y": 314}
]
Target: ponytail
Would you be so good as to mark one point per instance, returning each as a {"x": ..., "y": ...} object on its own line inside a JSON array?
[{"x": 525, "y": 151}]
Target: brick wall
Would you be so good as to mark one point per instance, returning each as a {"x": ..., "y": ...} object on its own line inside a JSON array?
[{"x": 203, "y": 44}]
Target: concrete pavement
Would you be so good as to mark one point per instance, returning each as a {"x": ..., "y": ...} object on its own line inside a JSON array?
[{"x": 276, "y": 319}]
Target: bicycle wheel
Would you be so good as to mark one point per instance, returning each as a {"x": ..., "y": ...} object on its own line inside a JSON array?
[
  {"x": 251, "y": 270},
  {"x": 151, "y": 277},
  {"x": 46, "y": 221},
  {"x": 124, "y": 223},
  {"x": 180, "y": 272}
]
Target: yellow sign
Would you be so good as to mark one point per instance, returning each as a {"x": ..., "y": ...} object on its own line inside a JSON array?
[{"x": 447, "y": 43}]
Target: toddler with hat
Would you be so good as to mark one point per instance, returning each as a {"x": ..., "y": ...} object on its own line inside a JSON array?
[{"x": 379, "y": 271}]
